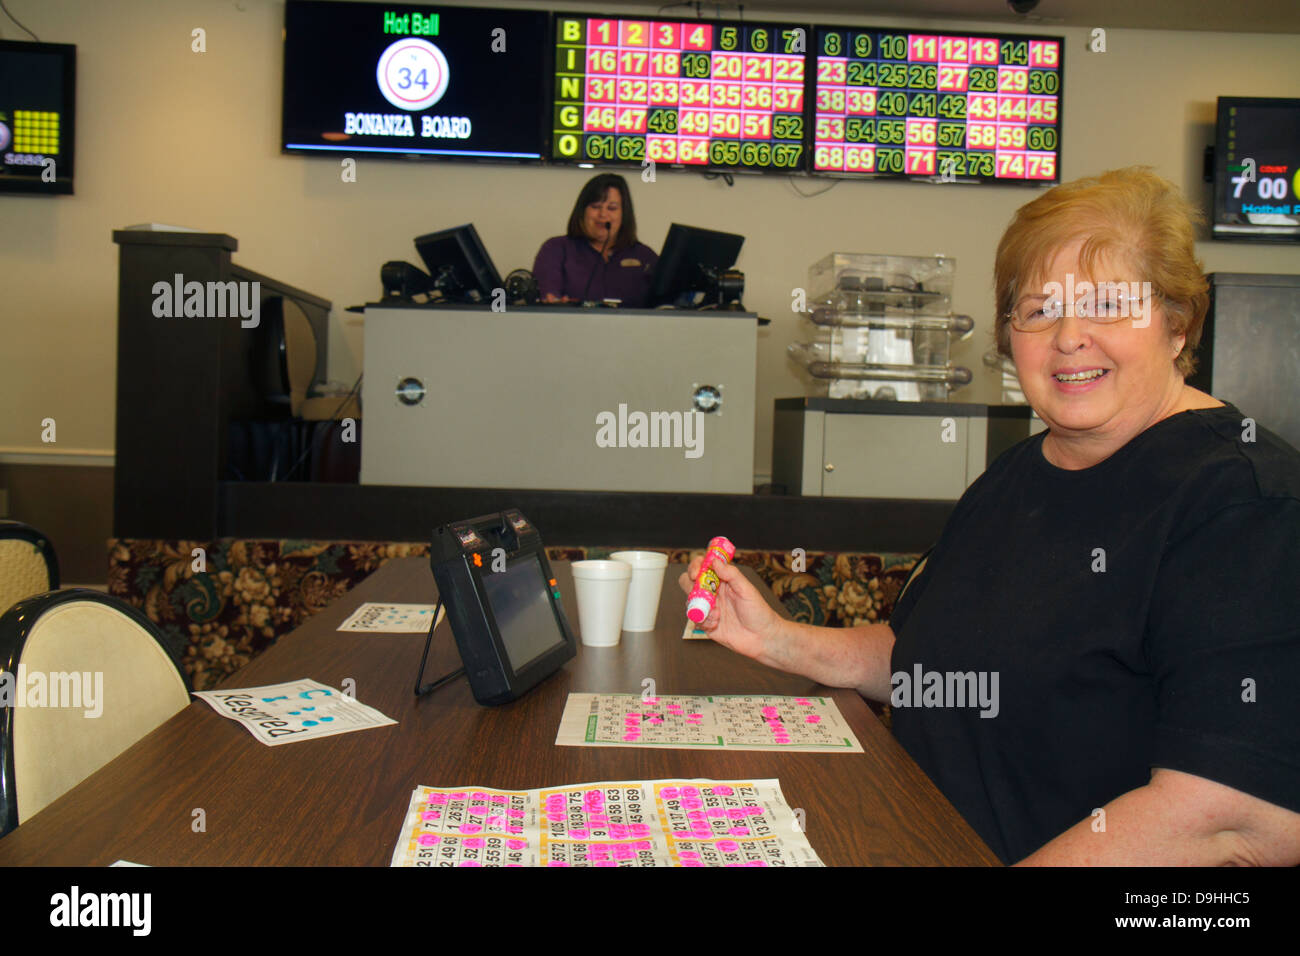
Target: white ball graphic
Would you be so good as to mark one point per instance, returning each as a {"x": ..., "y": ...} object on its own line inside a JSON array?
[{"x": 412, "y": 74}]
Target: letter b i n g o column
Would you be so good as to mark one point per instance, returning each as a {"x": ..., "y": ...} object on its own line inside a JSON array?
[{"x": 570, "y": 79}]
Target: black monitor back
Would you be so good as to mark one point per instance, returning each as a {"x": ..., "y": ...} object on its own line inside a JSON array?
[
  {"x": 457, "y": 258},
  {"x": 686, "y": 252}
]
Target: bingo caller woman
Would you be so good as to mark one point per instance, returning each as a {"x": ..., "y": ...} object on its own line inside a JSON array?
[
  {"x": 599, "y": 257},
  {"x": 1130, "y": 574}
]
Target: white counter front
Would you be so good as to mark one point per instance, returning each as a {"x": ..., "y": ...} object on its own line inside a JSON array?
[{"x": 562, "y": 399}]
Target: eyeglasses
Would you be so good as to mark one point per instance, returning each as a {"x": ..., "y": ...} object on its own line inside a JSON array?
[{"x": 1038, "y": 313}]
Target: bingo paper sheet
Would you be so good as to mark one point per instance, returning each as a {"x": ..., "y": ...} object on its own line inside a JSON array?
[
  {"x": 720, "y": 722},
  {"x": 628, "y": 823},
  {"x": 371, "y": 618},
  {"x": 693, "y": 633},
  {"x": 298, "y": 710}
]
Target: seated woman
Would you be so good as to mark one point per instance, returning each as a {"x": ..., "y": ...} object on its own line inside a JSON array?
[
  {"x": 1124, "y": 583},
  {"x": 599, "y": 257}
]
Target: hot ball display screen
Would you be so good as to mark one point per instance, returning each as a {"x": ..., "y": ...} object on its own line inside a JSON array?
[
  {"x": 419, "y": 81},
  {"x": 922, "y": 104},
  {"x": 709, "y": 93}
]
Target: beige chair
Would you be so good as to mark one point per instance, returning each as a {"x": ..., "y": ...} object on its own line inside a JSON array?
[
  {"x": 27, "y": 563},
  {"x": 86, "y": 676}
]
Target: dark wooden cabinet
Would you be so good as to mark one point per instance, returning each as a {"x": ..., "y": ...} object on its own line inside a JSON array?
[{"x": 182, "y": 381}]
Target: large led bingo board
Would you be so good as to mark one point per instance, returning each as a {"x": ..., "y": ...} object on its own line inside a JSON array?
[
  {"x": 900, "y": 103},
  {"x": 709, "y": 93}
]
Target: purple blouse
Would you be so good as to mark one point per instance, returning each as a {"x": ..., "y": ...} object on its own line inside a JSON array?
[{"x": 564, "y": 266}]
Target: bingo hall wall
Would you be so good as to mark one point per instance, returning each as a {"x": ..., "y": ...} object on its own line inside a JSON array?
[{"x": 168, "y": 135}]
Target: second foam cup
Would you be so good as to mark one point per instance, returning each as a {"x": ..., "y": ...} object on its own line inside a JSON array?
[
  {"x": 647, "y": 584},
  {"x": 601, "y": 589}
]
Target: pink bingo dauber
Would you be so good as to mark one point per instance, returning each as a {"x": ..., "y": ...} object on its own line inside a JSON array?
[{"x": 704, "y": 596}]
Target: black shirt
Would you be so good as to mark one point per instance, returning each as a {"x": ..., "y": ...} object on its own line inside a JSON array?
[{"x": 1183, "y": 653}]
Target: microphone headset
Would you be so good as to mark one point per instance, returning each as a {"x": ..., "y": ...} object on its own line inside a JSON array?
[{"x": 592, "y": 275}]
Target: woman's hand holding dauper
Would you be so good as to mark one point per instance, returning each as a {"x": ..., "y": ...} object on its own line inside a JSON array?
[{"x": 741, "y": 619}]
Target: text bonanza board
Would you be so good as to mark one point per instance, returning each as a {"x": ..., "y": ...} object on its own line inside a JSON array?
[
  {"x": 694, "y": 92},
  {"x": 926, "y": 104}
]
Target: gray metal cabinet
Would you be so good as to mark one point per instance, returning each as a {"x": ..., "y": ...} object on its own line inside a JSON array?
[{"x": 864, "y": 448}]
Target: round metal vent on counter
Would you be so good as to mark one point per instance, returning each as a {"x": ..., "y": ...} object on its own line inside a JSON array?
[
  {"x": 410, "y": 391},
  {"x": 707, "y": 398}
]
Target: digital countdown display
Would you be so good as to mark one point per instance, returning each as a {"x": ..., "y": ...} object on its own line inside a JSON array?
[
  {"x": 414, "y": 81},
  {"x": 709, "y": 93},
  {"x": 904, "y": 103},
  {"x": 1257, "y": 168}
]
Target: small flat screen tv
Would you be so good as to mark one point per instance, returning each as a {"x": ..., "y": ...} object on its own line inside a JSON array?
[
  {"x": 38, "y": 86},
  {"x": 1257, "y": 169},
  {"x": 416, "y": 82}
]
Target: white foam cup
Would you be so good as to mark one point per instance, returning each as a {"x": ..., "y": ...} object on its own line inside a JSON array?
[
  {"x": 647, "y": 583},
  {"x": 601, "y": 588}
]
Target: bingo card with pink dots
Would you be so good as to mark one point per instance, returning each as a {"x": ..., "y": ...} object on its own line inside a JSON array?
[
  {"x": 686, "y": 823},
  {"x": 719, "y": 722}
]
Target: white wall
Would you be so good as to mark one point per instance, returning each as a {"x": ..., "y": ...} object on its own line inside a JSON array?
[{"x": 172, "y": 136}]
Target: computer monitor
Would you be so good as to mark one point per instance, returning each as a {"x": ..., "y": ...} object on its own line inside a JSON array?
[
  {"x": 691, "y": 261},
  {"x": 459, "y": 266}
]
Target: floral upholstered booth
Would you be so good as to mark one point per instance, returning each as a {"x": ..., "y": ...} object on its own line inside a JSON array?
[{"x": 221, "y": 603}]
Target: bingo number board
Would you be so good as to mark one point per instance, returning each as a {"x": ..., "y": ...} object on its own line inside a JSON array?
[
  {"x": 924, "y": 104},
  {"x": 695, "y": 92}
]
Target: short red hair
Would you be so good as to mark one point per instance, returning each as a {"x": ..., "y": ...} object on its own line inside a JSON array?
[{"x": 1131, "y": 215}]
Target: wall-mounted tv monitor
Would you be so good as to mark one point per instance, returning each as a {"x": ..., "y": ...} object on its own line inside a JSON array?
[
  {"x": 921, "y": 104},
  {"x": 716, "y": 94},
  {"x": 38, "y": 87},
  {"x": 1257, "y": 169},
  {"x": 425, "y": 82}
]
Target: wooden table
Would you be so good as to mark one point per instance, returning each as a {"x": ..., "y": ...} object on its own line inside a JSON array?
[{"x": 341, "y": 800}]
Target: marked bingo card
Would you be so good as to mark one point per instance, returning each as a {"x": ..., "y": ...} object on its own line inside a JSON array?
[
  {"x": 628, "y": 823},
  {"x": 371, "y": 618},
  {"x": 721, "y": 722},
  {"x": 298, "y": 710}
]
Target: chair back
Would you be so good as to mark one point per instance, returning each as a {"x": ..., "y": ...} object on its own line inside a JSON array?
[
  {"x": 87, "y": 676},
  {"x": 28, "y": 565}
]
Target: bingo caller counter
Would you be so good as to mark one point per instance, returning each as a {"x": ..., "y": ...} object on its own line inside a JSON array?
[{"x": 709, "y": 93}]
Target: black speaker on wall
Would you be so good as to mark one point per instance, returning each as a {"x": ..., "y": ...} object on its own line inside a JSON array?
[{"x": 1250, "y": 349}]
